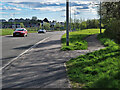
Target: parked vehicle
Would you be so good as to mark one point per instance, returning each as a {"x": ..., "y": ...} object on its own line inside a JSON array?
[
  {"x": 20, "y": 32},
  {"x": 42, "y": 31}
]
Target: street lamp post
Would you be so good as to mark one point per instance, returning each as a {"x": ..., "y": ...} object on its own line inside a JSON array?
[{"x": 67, "y": 22}]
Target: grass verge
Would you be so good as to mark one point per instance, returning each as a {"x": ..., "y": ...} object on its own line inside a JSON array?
[
  {"x": 99, "y": 69},
  {"x": 6, "y": 32},
  {"x": 76, "y": 39}
]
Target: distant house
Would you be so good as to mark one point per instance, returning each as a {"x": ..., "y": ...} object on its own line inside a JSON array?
[
  {"x": 0, "y": 25},
  {"x": 52, "y": 24},
  {"x": 16, "y": 26},
  {"x": 27, "y": 20},
  {"x": 17, "y": 20},
  {"x": 11, "y": 20},
  {"x": 13, "y": 26},
  {"x": 3, "y": 20},
  {"x": 15, "y": 23},
  {"x": 27, "y": 25},
  {"x": 21, "y": 20},
  {"x": 7, "y": 26}
]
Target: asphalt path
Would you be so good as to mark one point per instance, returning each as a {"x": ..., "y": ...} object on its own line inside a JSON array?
[{"x": 14, "y": 46}]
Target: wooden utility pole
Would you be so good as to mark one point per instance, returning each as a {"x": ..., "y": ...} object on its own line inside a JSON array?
[{"x": 67, "y": 22}]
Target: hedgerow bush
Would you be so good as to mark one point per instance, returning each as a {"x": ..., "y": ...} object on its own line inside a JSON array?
[{"x": 113, "y": 30}]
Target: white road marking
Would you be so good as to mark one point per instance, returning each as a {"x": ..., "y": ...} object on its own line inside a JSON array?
[{"x": 23, "y": 53}]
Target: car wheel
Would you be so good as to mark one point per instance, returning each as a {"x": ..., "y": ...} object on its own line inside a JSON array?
[
  {"x": 24, "y": 35},
  {"x": 13, "y": 35}
]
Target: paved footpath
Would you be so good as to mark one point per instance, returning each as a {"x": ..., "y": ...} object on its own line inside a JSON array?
[
  {"x": 43, "y": 66},
  {"x": 93, "y": 43}
]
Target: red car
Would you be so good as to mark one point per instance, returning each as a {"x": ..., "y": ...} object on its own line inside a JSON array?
[{"x": 20, "y": 32}]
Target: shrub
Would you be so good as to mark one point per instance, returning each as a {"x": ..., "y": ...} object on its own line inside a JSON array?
[{"x": 113, "y": 30}]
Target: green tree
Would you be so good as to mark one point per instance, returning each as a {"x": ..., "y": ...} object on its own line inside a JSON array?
[
  {"x": 22, "y": 25},
  {"x": 34, "y": 18},
  {"x": 110, "y": 10},
  {"x": 46, "y": 26},
  {"x": 77, "y": 24},
  {"x": 40, "y": 26},
  {"x": 57, "y": 26},
  {"x": 111, "y": 18},
  {"x": 83, "y": 25}
]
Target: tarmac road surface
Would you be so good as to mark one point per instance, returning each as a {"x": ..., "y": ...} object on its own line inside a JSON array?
[{"x": 14, "y": 46}]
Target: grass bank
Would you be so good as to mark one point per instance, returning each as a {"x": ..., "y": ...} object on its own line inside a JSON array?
[
  {"x": 99, "y": 69},
  {"x": 76, "y": 39},
  {"x": 6, "y": 32}
]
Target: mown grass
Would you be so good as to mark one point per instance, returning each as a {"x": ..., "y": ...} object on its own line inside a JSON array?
[
  {"x": 32, "y": 31},
  {"x": 10, "y": 31},
  {"x": 99, "y": 69},
  {"x": 6, "y": 32},
  {"x": 76, "y": 39}
]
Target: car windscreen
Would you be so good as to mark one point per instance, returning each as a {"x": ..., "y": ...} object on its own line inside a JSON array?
[
  {"x": 41, "y": 30},
  {"x": 19, "y": 30}
]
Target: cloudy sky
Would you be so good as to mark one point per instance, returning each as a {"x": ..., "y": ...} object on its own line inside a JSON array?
[{"x": 51, "y": 9}]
